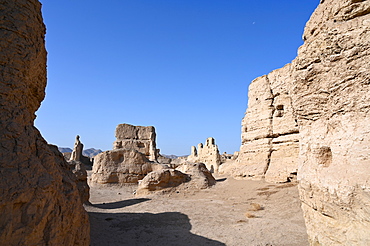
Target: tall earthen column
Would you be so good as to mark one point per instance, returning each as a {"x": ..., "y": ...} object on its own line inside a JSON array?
[{"x": 39, "y": 200}]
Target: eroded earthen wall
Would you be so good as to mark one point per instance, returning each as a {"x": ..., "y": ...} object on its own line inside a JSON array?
[
  {"x": 331, "y": 98},
  {"x": 207, "y": 154},
  {"x": 140, "y": 138},
  {"x": 39, "y": 199},
  {"x": 328, "y": 85},
  {"x": 269, "y": 130}
]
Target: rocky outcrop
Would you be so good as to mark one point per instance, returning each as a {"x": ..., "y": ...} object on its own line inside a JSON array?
[
  {"x": 76, "y": 163},
  {"x": 129, "y": 161},
  {"x": 121, "y": 166},
  {"x": 79, "y": 171},
  {"x": 39, "y": 199},
  {"x": 187, "y": 176},
  {"x": 331, "y": 98},
  {"x": 200, "y": 176},
  {"x": 269, "y": 130},
  {"x": 328, "y": 89},
  {"x": 77, "y": 150},
  {"x": 140, "y": 138},
  {"x": 161, "y": 179},
  {"x": 207, "y": 154}
]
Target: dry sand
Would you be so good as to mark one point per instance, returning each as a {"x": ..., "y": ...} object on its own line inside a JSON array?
[{"x": 233, "y": 212}]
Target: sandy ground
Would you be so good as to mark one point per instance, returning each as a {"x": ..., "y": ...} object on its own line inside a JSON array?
[{"x": 233, "y": 212}]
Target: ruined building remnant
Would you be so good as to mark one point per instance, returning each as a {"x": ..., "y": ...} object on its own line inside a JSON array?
[
  {"x": 270, "y": 135},
  {"x": 207, "y": 154},
  {"x": 325, "y": 93},
  {"x": 77, "y": 150},
  {"x": 140, "y": 138},
  {"x": 77, "y": 165},
  {"x": 133, "y": 156}
]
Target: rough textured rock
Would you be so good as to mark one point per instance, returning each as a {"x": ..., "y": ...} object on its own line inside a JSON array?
[
  {"x": 184, "y": 177},
  {"x": 269, "y": 130},
  {"x": 227, "y": 157},
  {"x": 140, "y": 138},
  {"x": 328, "y": 85},
  {"x": 161, "y": 179},
  {"x": 76, "y": 162},
  {"x": 207, "y": 154},
  {"x": 77, "y": 150},
  {"x": 331, "y": 97},
  {"x": 39, "y": 199},
  {"x": 121, "y": 166},
  {"x": 80, "y": 173},
  {"x": 129, "y": 161},
  {"x": 200, "y": 176}
]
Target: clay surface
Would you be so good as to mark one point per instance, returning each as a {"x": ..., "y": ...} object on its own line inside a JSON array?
[
  {"x": 39, "y": 199},
  {"x": 331, "y": 97}
]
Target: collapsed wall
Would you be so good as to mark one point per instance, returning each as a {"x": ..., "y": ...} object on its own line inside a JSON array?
[
  {"x": 140, "y": 138},
  {"x": 207, "y": 154},
  {"x": 134, "y": 156},
  {"x": 328, "y": 88},
  {"x": 39, "y": 199}
]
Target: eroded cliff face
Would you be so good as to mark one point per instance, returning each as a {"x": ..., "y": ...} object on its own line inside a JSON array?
[
  {"x": 39, "y": 199},
  {"x": 269, "y": 130},
  {"x": 331, "y": 98},
  {"x": 328, "y": 89}
]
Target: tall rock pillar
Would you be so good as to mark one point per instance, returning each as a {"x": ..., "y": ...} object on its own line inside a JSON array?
[{"x": 39, "y": 199}]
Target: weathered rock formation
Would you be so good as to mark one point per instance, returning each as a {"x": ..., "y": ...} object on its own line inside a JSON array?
[
  {"x": 207, "y": 154},
  {"x": 129, "y": 161},
  {"x": 200, "y": 176},
  {"x": 269, "y": 130},
  {"x": 331, "y": 98},
  {"x": 193, "y": 176},
  {"x": 39, "y": 199},
  {"x": 161, "y": 179},
  {"x": 79, "y": 171},
  {"x": 76, "y": 163},
  {"x": 77, "y": 150},
  {"x": 328, "y": 88},
  {"x": 121, "y": 166},
  {"x": 228, "y": 157},
  {"x": 140, "y": 138}
]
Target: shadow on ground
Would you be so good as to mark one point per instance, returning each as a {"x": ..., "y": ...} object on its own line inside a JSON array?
[
  {"x": 147, "y": 229},
  {"x": 221, "y": 180},
  {"x": 120, "y": 204}
]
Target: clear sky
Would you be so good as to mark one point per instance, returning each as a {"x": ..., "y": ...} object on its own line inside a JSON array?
[{"x": 183, "y": 66}]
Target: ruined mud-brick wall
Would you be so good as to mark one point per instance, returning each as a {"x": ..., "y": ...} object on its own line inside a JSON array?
[
  {"x": 39, "y": 199},
  {"x": 329, "y": 88},
  {"x": 207, "y": 154},
  {"x": 140, "y": 138},
  {"x": 269, "y": 130},
  {"x": 331, "y": 98},
  {"x": 131, "y": 159}
]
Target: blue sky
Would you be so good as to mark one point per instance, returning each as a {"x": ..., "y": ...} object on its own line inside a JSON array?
[{"x": 183, "y": 66}]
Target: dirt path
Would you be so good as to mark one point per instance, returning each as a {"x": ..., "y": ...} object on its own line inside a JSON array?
[{"x": 233, "y": 212}]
